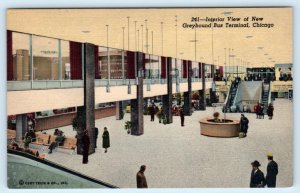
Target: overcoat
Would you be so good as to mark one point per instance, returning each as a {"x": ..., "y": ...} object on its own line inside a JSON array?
[{"x": 106, "y": 141}]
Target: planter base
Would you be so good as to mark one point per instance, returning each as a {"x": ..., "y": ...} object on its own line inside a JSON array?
[{"x": 219, "y": 129}]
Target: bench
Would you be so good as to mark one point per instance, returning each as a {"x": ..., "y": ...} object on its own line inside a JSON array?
[
  {"x": 41, "y": 139},
  {"x": 69, "y": 143}
]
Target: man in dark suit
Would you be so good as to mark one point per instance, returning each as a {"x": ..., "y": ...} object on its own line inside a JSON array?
[
  {"x": 181, "y": 114},
  {"x": 272, "y": 171},
  {"x": 96, "y": 136},
  {"x": 141, "y": 179},
  {"x": 257, "y": 176},
  {"x": 152, "y": 112},
  {"x": 244, "y": 124},
  {"x": 86, "y": 147}
]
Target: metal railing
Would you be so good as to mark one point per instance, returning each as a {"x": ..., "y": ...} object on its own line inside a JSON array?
[{"x": 62, "y": 84}]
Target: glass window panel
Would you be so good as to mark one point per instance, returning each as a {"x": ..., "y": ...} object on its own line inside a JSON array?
[
  {"x": 65, "y": 54},
  {"x": 45, "y": 58},
  {"x": 148, "y": 66},
  {"x": 115, "y": 63},
  {"x": 195, "y": 69},
  {"x": 103, "y": 62},
  {"x": 21, "y": 56},
  {"x": 179, "y": 66},
  {"x": 153, "y": 66},
  {"x": 156, "y": 66}
]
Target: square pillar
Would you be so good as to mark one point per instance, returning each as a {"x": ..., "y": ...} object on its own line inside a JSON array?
[
  {"x": 119, "y": 110},
  {"x": 167, "y": 99},
  {"x": 188, "y": 95},
  {"x": 87, "y": 111},
  {"x": 202, "y": 97},
  {"x": 21, "y": 126},
  {"x": 137, "y": 105}
]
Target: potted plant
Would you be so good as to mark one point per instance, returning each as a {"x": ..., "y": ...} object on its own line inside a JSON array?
[
  {"x": 216, "y": 116},
  {"x": 122, "y": 114},
  {"x": 77, "y": 122},
  {"x": 128, "y": 126},
  {"x": 159, "y": 115}
]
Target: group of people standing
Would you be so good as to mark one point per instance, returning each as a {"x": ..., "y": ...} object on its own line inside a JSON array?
[
  {"x": 86, "y": 142},
  {"x": 152, "y": 110},
  {"x": 258, "y": 179},
  {"x": 259, "y": 110}
]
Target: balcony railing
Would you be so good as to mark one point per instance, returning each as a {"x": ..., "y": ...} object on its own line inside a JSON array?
[{"x": 62, "y": 84}]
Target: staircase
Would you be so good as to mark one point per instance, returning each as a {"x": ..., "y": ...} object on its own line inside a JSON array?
[
  {"x": 265, "y": 96},
  {"x": 230, "y": 97}
]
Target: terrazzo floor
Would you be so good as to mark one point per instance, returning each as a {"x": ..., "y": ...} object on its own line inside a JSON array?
[{"x": 179, "y": 157}]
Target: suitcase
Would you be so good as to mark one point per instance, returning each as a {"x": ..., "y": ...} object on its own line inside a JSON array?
[{"x": 241, "y": 135}]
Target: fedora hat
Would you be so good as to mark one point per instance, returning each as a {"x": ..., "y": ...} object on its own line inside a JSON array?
[{"x": 255, "y": 163}]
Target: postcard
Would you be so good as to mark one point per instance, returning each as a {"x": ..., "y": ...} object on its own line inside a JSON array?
[{"x": 150, "y": 97}]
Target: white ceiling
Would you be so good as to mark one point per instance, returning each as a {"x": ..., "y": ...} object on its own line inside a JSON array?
[{"x": 255, "y": 46}]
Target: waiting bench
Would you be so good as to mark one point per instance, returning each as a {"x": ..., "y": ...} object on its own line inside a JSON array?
[
  {"x": 46, "y": 140},
  {"x": 41, "y": 139},
  {"x": 70, "y": 143}
]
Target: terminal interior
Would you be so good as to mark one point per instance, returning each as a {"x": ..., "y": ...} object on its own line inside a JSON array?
[{"x": 72, "y": 70}]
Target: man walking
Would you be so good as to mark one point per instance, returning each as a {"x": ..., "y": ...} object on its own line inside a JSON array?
[
  {"x": 86, "y": 147},
  {"x": 244, "y": 124},
  {"x": 96, "y": 136},
  {"x": 152, "y": 112},
  {"x": 141, "y": 179},
  {"x": 272, "y": 171},
  {"x": 181, "y": 113},
  {"x": 257, "y": 176}
]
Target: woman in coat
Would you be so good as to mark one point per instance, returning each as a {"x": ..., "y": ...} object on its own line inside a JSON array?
[{"x": 105, "y": 137}]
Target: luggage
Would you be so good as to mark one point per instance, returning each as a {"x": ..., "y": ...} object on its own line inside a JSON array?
[{"x": 242, "y": 135}]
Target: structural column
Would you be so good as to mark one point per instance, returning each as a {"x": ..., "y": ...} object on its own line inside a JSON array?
[
  {"x": 87, "y": 111},
  {"x": 188, "y": 95},
  {"x": 167, "y": 99},
  {"x": 137, "y": 105},
  {"x": 202, "y": 97},
  {"x": 21, "y": 126},
  {"x": 212, "y": 91},
  {"x": 119, "y": 110}
]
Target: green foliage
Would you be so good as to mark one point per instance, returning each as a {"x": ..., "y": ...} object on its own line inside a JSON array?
[
  {"x": 122, "y": 115},
  {"x": 147, "y": 111},
  {"x": 128, "y": 126},
  {"x": 78, "y": 122}
]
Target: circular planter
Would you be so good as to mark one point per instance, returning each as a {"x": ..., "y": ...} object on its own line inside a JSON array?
[{"x": 219, "y": 129}]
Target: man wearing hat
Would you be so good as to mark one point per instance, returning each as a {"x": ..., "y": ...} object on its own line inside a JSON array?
[
  {"x": 244, "y": 124},
  {"x": 272, "y": 171},
  {"x": 257, "y": 177}
]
